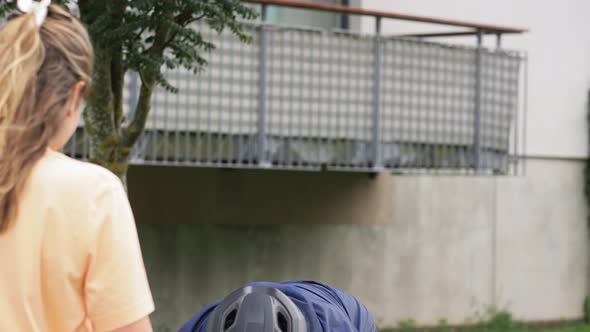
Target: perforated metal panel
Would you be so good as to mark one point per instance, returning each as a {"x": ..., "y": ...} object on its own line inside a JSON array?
[{"x": 306, "y": 99}]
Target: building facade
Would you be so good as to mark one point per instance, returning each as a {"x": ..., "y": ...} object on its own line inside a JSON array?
[{"x": 422, "y": 245}]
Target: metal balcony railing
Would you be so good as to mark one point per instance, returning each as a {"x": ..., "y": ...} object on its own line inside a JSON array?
[{"x": 309, "y": 99}]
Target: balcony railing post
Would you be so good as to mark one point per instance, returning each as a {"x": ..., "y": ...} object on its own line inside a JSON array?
[
  {"x": 132, "y": 103},
  {"x": 477, "y": 115},
  {"x": 498, "y": 40},
  {"x": 262, "y": 157},
  {"x": 376, "y": 135}
]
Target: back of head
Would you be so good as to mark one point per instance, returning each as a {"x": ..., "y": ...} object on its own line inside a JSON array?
[
  {"x": 257, "y": 309},
  {"x": 39, "y": 66}
]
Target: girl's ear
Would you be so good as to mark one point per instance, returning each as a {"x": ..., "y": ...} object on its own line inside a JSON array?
[{"x": 76, "y": 101}]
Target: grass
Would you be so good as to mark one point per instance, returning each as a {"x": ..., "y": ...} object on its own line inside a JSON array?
[
  {"x": 580, "y": 328},
  {"x": 496, "y": 321},
  {"x": 577, "y": 328}
]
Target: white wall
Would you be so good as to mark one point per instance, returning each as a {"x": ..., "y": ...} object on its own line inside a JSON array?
[
  {"x": 542, "y": 241},
  {"x": 532, "y": 241},
  {"x": 559, "y": 67}
]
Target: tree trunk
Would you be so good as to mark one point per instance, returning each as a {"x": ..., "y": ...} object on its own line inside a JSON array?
[
  {"x": 104, "y": 107},
  {"x": 119, "y": 168},
  {"x": 113, "y": 158},
  {"x": 110, "y": 142},
  {"x": 106, "y": 146}
]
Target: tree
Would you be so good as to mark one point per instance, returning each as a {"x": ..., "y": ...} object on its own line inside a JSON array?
[{"x": 143, "y": 36}]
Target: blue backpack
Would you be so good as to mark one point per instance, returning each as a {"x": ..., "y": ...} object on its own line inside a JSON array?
[{"x": 326, "y": 309}]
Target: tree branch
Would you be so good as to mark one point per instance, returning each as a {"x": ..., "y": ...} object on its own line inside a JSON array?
[
  {"x": 138, "y": 35},
  {"x": 117, "y": 68},
  {"x": 184, "y": 24},
  {"x": 117, "y": 84},
  {"x": 99, "y": 111},
  {"x": 142, "y": 110},
  {"x": 135, "y": 128}
]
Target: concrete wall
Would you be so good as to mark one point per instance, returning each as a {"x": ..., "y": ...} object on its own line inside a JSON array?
[
  {"x": 419, "y": 247},
  {"x": 542, "y": 241}
]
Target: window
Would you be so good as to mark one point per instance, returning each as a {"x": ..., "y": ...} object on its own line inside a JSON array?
[{"x": 309, "y": 18}]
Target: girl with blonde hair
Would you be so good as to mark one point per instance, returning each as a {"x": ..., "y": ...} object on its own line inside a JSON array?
[{"x": 70, "y": 258}]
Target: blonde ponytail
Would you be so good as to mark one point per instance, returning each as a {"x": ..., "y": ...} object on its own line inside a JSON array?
[
  {"x": 38, "y": 68},
  {"x": 22, "y": 57}
]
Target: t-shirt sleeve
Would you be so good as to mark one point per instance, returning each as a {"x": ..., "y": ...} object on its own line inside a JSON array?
[{"x": 116, "y": 288}]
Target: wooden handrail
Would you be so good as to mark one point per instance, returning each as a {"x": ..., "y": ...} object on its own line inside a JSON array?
[
  {"x": 392, "y": 15},
  {"x": 447, "y": 34}
]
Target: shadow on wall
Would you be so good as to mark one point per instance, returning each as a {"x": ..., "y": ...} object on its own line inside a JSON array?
[{"x": 214, "y": 196}]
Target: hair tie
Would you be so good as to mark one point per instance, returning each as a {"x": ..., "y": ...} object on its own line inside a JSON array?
[{"x": 39, "y": 9}]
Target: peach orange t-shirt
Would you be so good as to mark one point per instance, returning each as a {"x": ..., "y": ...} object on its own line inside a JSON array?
[{"x": 71, "y": 261}]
